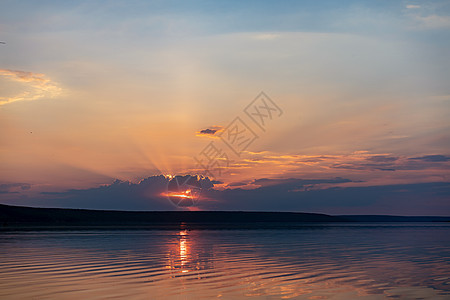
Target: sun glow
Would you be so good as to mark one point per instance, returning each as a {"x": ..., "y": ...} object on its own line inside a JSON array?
[{"x": 182, "y": 194}]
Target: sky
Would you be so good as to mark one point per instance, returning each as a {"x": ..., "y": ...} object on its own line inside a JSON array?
[{"x": 103, "y": 103}]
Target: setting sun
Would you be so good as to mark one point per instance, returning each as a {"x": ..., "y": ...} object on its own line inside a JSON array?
[{"x": 183, "y": 194}]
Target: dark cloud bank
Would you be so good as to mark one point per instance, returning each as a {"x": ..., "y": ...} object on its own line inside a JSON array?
[{"x": 272, "y": 195}]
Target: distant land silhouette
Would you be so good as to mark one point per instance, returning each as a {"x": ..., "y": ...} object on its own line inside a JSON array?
[{"x": 30, "y": 217}]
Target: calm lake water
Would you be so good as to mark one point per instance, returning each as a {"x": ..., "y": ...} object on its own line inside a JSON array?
[{"x": 406, "y": 261}]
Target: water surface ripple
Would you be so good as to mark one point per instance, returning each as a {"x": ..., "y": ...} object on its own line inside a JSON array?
[{"x": 367, "y": 261}]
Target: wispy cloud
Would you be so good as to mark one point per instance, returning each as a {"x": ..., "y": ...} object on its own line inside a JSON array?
[
  {"x": 363, "y": 167},
  {"x": 433, "y": 21},
  {"x": 265, "y": 36},
  {"x": 433, "y": 158},
  {"x": 13, "y": 187},
  {"x": 39, "y": 86}
]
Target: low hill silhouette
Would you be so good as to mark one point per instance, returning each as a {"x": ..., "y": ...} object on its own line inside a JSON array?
[{"x": 20, "y": 217}]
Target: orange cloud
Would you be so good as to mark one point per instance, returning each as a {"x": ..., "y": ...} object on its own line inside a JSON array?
[
  {"x": 37, "y": 85},
  {"x": 363, "y": 167}
]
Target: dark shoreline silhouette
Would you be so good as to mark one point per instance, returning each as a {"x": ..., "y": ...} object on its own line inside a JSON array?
[{"x": 57, "y": 218}]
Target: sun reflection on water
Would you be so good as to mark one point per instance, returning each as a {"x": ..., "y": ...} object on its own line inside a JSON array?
[
  {"x": 188, "y": 254},
  {"x": 240, "y": 264},
  {"x": 183, "y": 249},
  {"x": 179, "y": 254}
]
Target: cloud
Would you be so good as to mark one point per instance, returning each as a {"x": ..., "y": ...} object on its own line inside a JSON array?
[
  {"x": 393, "y": 163},
  {"x": 432, "y": 158},
  {"x": 210, "y": 131},
  {"x": 290, "y": 183},
  {"x": 432, "y": 21},
  {"x": 300, "y": 195},
  {"x": 36, "y": 86},
  {"x": 265, "y": 36},
  {"x": 358, "y": 160},
  {"x": 267, "y": 194},
  {"x": 14, "y": 187},
  {"x": 119, "y": 195},
  {"x": 216, "y": 182},
  {"x": 412, "y": 6},
  {"x": 363, "y": 167},
  {"x": 382, "y": 158},
  {"x": 148, "y": 194},
  {"x": 238, "y": 183}
]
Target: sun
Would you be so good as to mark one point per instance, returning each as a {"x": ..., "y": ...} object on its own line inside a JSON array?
[{"x": 183, "y": 191}]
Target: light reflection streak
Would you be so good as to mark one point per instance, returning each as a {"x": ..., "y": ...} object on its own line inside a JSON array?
[
  {"x": 189, "y": 254},
  {"x": 183, "y": 249}
]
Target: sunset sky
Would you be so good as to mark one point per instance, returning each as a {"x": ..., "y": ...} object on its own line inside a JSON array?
[{"x": 98, "y": 98}]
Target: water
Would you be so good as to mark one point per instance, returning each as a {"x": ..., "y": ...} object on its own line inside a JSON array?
[{"x": 406, "y": 261}]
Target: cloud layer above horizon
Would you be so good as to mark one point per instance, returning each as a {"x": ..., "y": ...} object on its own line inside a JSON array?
[{"x": 291, "y": 194}]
